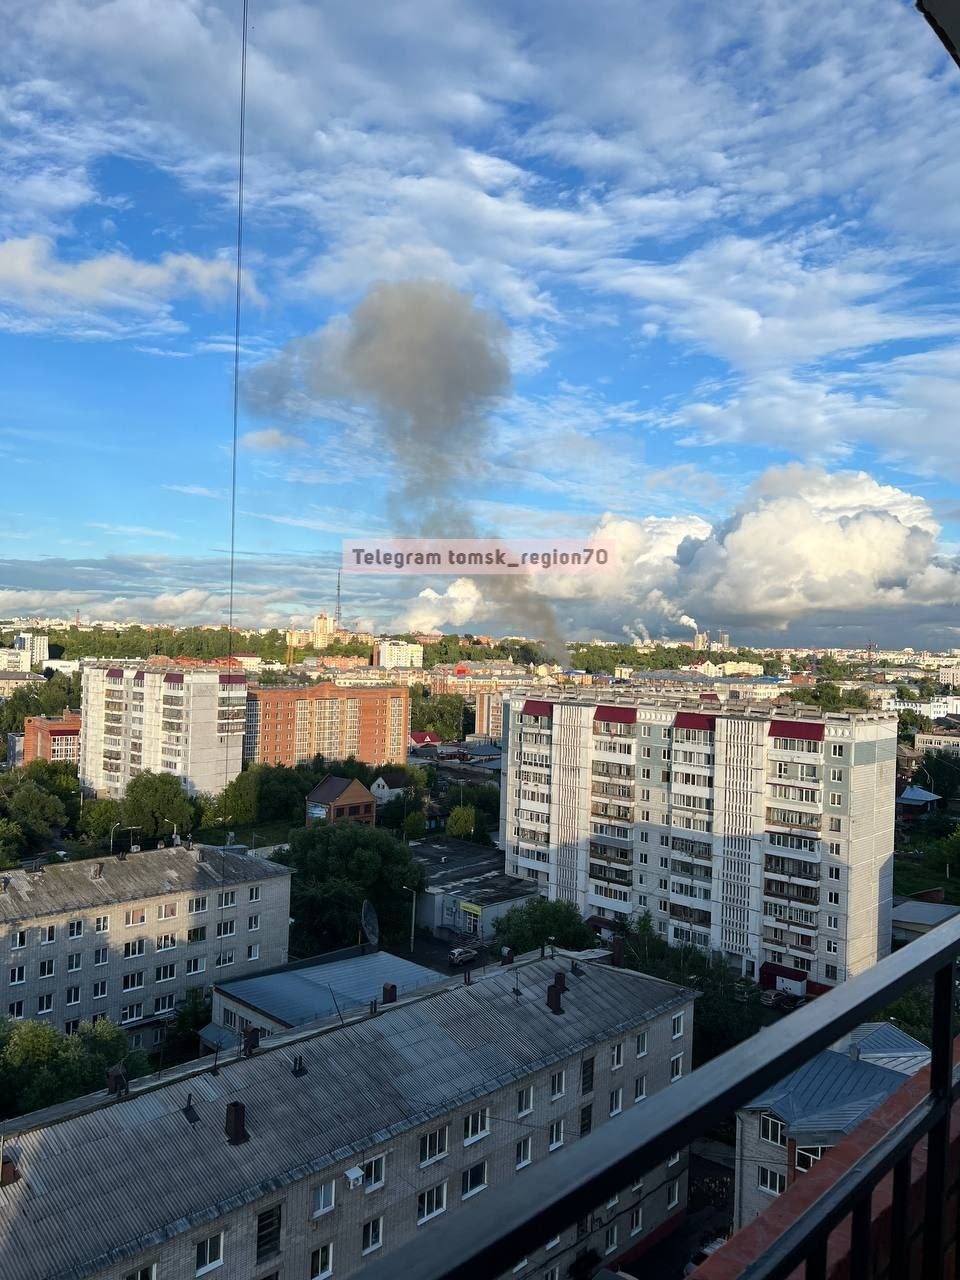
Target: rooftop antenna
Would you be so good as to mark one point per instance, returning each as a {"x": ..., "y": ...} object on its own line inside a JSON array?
[
  {"x": 337, "y": 613},
  {"x": 369, "y": 922}
]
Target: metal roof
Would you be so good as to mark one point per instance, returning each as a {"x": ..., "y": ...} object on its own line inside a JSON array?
[
  {"x": 927, "y": 913},
  {"x": 71, "y": 886},
  {"x": 298, "y": 995},
  {"x": 105, "y": 1186}
]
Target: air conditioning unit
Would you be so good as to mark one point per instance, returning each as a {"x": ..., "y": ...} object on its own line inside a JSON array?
[{"x": 354, "y": 1177}]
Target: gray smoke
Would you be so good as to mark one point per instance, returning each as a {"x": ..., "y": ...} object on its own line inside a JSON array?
[{"x": 431, "y": 365}]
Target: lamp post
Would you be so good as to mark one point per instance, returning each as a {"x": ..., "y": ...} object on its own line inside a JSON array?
[
  {"x": 413, "y": 914},
  {"x": 112, "y": 830},
  {"x": 172, "y": 824}
]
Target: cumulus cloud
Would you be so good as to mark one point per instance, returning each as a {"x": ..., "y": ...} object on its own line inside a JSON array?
[
  {"x": 462, "y": 602},
  {"x": 271, "y": 440}
]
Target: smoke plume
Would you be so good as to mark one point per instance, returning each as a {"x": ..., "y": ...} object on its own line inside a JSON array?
[{"x": 430, "y": 364}]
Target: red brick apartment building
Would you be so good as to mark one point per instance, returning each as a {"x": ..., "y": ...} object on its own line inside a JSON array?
[
  {"x": 286, "y": 725},
  {"x": 52, "y": 737}
]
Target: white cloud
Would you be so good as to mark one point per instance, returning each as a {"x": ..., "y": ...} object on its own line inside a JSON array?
[
  {"x": 195, "y": 490},
  {"x": 461, "y": 602},
  {"x": 271, "y": 440},
  {"x": 131, "y": 530}
]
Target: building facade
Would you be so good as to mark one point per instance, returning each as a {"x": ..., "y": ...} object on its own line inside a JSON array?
[
  {"x": 340, "y": 800},
  {"x": 36, "y": 649},
  {"x": 345, "y": 1144},
  {"x": 284, "y": 726},
  {"x": 127, "y": 938},
  {"x": 324, "y": 631},
  {"x": 489, "y": 716},
  {"x": 763, "y": 834},
  {"x": 938, "y": 740},
  {"x": 52, "y": 737},
  {"x": 164, "y": 718},
  {"x": 397, "y": 653}
]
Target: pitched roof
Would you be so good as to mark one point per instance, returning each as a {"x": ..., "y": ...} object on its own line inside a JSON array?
[
  {"x": 70, "y": 886},
  {"x": 329, "y": 789},
  {"x": 97, "y": 1189},
  {"x": 394, "y": 778}
]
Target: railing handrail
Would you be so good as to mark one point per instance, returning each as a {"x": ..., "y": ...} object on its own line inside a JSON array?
[{"x": 517, "y": 1216}]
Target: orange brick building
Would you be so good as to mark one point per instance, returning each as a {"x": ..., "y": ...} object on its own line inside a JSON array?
[
  {"x": 286, "y": 725},
  {"x": 52, "y": 737}
]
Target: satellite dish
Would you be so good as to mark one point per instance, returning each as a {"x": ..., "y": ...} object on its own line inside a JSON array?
[{"x": 369, "y": 922}]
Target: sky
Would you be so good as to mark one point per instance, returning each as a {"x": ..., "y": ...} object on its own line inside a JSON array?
[{"x": 718, "y": 244}]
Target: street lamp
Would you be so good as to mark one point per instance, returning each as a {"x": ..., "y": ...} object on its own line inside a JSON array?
[
  {"x": 413, "y": 914},
  {"x": 112, "y": 830}
]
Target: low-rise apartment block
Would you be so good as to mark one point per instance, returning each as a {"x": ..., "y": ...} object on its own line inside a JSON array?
[
  {"x": 52, "y": 737},
  {"x": 938, "y": 740},
  {"x": 760, "y": 833},
  {"x": 287, "y": 725},
  {"x": 128, "y": 937},
  {"x": 320, "y": 1156}
]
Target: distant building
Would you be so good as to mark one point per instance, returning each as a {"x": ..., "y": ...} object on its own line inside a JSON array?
[
  {"x": 467, "y": 889},
  {"x": 14, "y": 660},
  {"x": 389, "y": 785},
  {"x": 949, "y": 676},
  {"x": 914, "y": 802},
  {"x": 14, "y": 750},
  {"x": 36, "y": 648},
  {"x": 914, "y": 917},
  {"x": 787, "y": 1129},
  {"x": 324, "y": 630},
  {"x": 424, "y": 738},
  {"x": 52, "y": 737},
  {"x": 701, "y": 641},
  {"x": 287, "y": 725},
  {"x": 341, "y": 800},
  {"x": 489, "y": 716},
  {"x": 397, "y": 653},
  {"x": 938, "y": 740}
]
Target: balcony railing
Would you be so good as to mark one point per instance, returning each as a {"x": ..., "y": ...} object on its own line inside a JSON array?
[{"x": 518, "y": 1217}]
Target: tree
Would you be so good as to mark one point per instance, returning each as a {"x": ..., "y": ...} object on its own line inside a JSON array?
[
  {"x": 441, "y": 713},
  {"x": 99, "y": 818},
  {"x": 12, "y": 844},
  {"x": 36, "y": 812},
  {"x": 941, "y": 772},
  {"x": 153, "y": 802},
  {"x": 532, "y": 925},
  {"x": 415, "y": 825},
  {"x": 462, "y": 821},
  {"x": 911, "y": 722}
]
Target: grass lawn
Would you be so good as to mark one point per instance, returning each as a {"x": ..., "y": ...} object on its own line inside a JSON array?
[{"x": 912, "y": 877}]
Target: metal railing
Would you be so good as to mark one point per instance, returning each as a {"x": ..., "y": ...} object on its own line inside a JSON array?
[{"x": 514, "y": 1219}]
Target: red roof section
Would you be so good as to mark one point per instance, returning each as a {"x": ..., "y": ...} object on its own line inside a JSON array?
[
  {"x": 532, "y": 707},
  {"x": 233, "y": 679},
  {"x": 424, "y": 737},
  {"x": 804, "y": 729},
  {"x": 694, "y": 720},
  {"x": 173, "y": 677},
  {"x": 616, "y": 715}
]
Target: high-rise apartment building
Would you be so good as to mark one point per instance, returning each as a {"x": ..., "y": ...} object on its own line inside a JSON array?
[
  {"x": 187, "y": 720},
  {"x": 324, "y": 630},
  {"x": 489, "y": 715},
  {"x": 397, "y": 653},
  {"x": 286, "y": 725},
  {"x": 763, "y": 834},
  {"x": 52, "y": 737},
  {"x": 36, "y": 648}
]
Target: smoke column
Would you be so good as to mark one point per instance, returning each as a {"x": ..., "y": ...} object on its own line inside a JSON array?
[{"x": 431, "y": 365}]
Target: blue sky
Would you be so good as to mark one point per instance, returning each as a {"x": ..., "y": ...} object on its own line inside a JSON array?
[{"x": 724, "y": 241}]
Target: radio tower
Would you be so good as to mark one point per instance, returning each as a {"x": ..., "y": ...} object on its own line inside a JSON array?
[{"x": 337, "y": 611}]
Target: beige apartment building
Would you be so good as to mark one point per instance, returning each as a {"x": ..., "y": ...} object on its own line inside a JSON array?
[
  {"x": 314, "y": 1158},
  {"x": 126, "y": 938},
  {"x": 760, "y": 833},
  {"x": 938, "y": 740}
]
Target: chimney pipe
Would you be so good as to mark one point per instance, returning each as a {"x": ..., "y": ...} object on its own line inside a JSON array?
[
  {"x": 616, "y": 958},
  {"x": 506, "y": 955},
  {"x": 553, "y": 999},
  {"x": 560, "y": 981},
  {"x": 235, "y": 1126},
  {"x": 389, "y": 993},
  {"x": 298, "y": 1068},
  {"x": 9, "y": 1173}
]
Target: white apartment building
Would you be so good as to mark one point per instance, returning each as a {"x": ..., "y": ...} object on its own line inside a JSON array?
[
  {"x": 128, "y": 937},
  {"x": 397, "y": 653},
  {"x": 938, "y": 740},
  {"x": 949, "y": 676},
  {"x": 324, "y": 631},
  {"x": 763, "y": 834},
  {"x": 14, "y": 660},
  {"x": 184, "y": 720},
  {"x": 36, "y": 648},
  {"x": 319, "y": 1157}
]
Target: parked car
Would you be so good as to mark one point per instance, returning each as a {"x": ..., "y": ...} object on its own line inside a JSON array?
[
  {"x": 773, "y": 999},
  {"x": 459, "y": 956},
  {"x": 793, "y": 1002}
]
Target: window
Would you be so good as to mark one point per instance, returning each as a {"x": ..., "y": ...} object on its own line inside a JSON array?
[
  {"x": 197, "y": 905},
  {"x": 226, "y": 928},
  {"x": 47, "y": 968},
  {"x": 224, "y": 958},
  {"x": 556, "y": 1135},
  {"x": 197, "y": 935},
  {"x": 433, "y": 1146},
  {"x": 523, "y": 1153},
  {"x": 166, "y": 972},
  {"x": 832, "y": 947},
  {"x": 833, "y": 922},
  {"x": 836, "y": 824},
  {"x": 48, "y": 934},
  {"x": 102, "y": 924},
  {"x": 833, "y": 873},
  {"x": 253, "y": 923},
  {"x": 373, "y": 1173},
  {"x": 209, "y": 1253},
  {"x": 616, "y": 1056},
  {"x": 73, "y": 995},
  {"x": 674, "y": 1159},
  {"x": 324, "y": 1197},
  {"x": 17, "y": 975},
  {"x": 836, "y": 799},
  {"x": 836, "y": 750},
  {"x": 227, "y": 898},
  {"x": 473, "y": 1179},
  {"x": 807, "y": 1157},
  {"x": 372, "y": 1235},
  {"x": 431, "y": 1202},
  {"x": 268, "y": 1233},
  {"x": 254, "y": 893},
  {"x": 833, "y": 898},
  {"x": 676, "y": 1067},
  {"x": 100, "y": 990},
  {"x": 253, "y": 951},
  {"x": 45, "y": 1003},
  {"x": 557, "y": 1084},
  {"x": 610, "y": 1239},
  {"x": 136, "y": 915},
  {"x": 830, "y": 972},
  {"x": 19, "y": 939},
  {"x": 833, "y": 848},
  {"x": 142, "y": 1273},
  {"x": 552, "y": 1273},
  {"x": 163, "y": 1004},
  {"x": 639, "y": 1088},
  {"x": 133, "y": 981},
  {"x": 772, "y": 1130},
  {"x": 525, "y": 1100},
  {"x": 586, "y": 1075},
  {"x": 677, "y": 1026},
  {"x": 476, "y": 1125},
  {"x": 131, "y": 1012},
  {"x": 15, "y": 1009},
  {"x": 133, "y": 948},
  {"x": 72, "y": 1027},
  {"x": 101, "y": 955},
  {"x": 586, "y": 1119},
  {"x": 74, "y": 961},
  {"x": 196, "y": 964},
  {"x": 321, "y": 1262},
  {"x": 552, "y": 1242},
  {"x": 673, "y": 1194},
  {"x": 75, "y": 929},
  {"x": 836, "y": 775},
  {"x": 771, "y": 1180},
  {"x": 642, "y": 1044},
  {"x": 616, "y": 1101}
]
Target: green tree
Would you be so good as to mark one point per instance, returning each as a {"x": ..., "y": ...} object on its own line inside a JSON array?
[
  {"x": 12, "y": 844},
  {"x": 911, "y": 722},
  {"x": 153, "y": 802},
  {"x": 532, "y": 925},
  {"x": 36, "y": 812},
  {"x": 99, "y": 817},
  {"x": 462, "y": 821},
  {"x": 415, "y": 825},
  {"x": 941, "y": 773},
  {"x": 441, "y": 713}
]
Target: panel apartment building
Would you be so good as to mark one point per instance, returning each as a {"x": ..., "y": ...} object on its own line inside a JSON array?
[
  {"x": 761, "y": 833},
  {"x": 286, "y": 725},
  {"x": 187, "y": 720},
  {"x": 341, "y": 1146},
  {"x": 126, "y": 938}
]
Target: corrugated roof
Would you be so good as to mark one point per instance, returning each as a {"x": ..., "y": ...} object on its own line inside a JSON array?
[
  {"x": 304, "y": 995},
  {"x": 928, "y": 913},
  {"x": 104, "y": 1186},
  {"x": 70, "y": 886}
]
